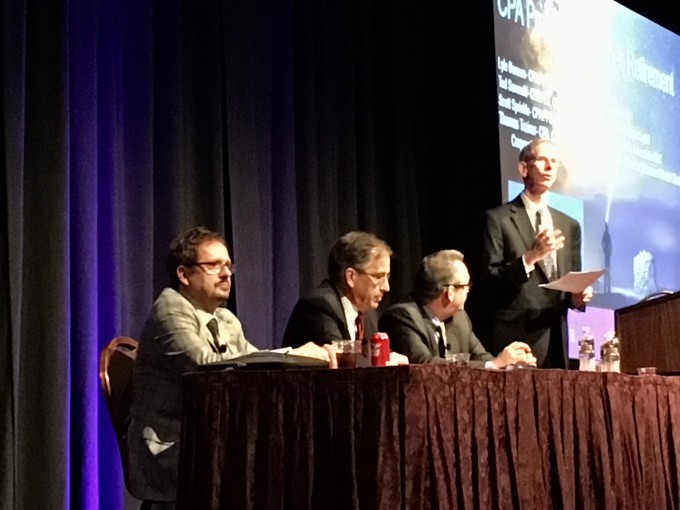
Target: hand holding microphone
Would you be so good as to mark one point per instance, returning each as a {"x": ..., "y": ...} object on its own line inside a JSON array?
[{"x": 546, "y": 242}]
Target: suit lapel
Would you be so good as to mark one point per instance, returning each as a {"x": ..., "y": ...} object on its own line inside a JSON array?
[
  {"x": 521, "y": 222},
  {"x": 563, "y": 262},
  {"x": 520, "y": 219},
  {"x": 336, "y": 306},
  {"x": 427, "y": 326}
]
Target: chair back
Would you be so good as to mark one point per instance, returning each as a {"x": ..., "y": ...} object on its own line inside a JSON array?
[{"x": 115, "y": 373}]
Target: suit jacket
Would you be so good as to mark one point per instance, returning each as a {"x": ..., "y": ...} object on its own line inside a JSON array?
[
  {"x": 320, "y": 318},
  {"x": 174, "y": 340},
  {"x": 519, "y": 309},
  {"x": 412, "y": 334}
]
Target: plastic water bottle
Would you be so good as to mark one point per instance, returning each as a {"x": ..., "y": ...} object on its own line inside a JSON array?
[
  {"x": 586, "y": 353},
  {"x": 611, "y": 356}
]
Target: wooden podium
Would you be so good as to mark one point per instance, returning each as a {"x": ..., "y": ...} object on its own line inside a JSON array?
[{"x": 649, "y": 334}]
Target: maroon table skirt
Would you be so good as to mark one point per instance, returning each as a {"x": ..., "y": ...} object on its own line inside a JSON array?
[{"x": 424, "y": 437}]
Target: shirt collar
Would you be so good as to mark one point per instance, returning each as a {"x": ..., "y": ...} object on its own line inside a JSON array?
[
  {"x": 532, "y": 206},
  {"x": 351, "y": 313},
  {"x": 435, "y": 320},
  {"x": 203, "y": 315}
]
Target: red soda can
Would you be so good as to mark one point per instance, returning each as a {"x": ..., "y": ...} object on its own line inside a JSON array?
[{"x": 380, "y": 349}]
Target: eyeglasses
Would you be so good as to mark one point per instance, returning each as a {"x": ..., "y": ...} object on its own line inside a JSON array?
[
  {"x": 216, "y": 267},
  {"x": 542, "y": 159},
  {"x": 376, "y": 277},
  {"x": 466, "y": 286}
]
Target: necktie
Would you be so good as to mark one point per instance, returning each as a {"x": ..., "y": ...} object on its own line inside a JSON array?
[
  {"x": 548, "y": 261},
  {"x": 359, "y": 323},
  {"x": 215, "y": 331},
  {"x": 538, "y": 220},
  {"x": 440, "y": 340}
]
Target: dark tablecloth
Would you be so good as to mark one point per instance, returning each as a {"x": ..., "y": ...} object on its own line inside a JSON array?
[{"x": 423, "y": 437}]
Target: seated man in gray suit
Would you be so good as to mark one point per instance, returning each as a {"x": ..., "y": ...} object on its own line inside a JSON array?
[
  {"x": 187, "y": 327},
  {"x": 435, "y": 322}
]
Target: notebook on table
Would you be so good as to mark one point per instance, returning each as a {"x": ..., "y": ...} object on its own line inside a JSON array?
[{"x": 265, "y": 360}]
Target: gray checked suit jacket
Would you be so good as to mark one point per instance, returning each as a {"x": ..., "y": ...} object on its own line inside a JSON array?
[{"x": 174, "y": 341}]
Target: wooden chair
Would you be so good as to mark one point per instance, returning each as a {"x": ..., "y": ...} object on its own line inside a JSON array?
[{"x": 115, "y": 373}]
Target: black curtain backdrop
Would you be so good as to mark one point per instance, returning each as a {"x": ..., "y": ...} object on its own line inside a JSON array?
[{"x": 282, "y": 123}]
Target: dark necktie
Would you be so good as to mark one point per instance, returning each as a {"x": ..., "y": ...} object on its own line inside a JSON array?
[
  {"x": 215, "y": 330},
  {"x": 359, "y": 323},
  {"x": 440, "y": 341},
  {"x": 548, "y": 261},
  {"x": 538, "y": 220}
]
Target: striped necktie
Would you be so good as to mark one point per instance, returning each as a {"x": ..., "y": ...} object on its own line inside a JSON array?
[{"x": 439, "y": 336}]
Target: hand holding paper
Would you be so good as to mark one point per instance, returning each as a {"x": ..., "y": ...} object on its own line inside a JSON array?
[{"x": 580, "y": 299}]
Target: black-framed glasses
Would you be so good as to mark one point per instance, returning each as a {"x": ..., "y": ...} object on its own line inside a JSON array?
[
  {"x": 216, "y": 266},
  {"x": 376, "y": 277},
  {"x": 456, "y": 286}
]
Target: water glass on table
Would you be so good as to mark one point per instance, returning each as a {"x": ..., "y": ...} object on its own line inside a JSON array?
[
  {"x": 347, "y": 352},
  {"x": 459, "y": 359}
]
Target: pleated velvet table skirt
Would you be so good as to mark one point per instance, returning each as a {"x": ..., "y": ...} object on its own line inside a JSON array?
[{"x": 422, "y": 437}]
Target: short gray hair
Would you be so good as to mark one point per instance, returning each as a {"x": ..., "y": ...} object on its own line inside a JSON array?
[
  {"x": 528, "y": 153},
  {"x": 435, "y": 272}
]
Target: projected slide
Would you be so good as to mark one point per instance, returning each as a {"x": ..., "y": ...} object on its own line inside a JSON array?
[{"x": 599, "y": 80}]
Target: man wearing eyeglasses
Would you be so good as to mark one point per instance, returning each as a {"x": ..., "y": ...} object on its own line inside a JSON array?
[
  {"x": 434, "y": 323},
  {"x": 187, "y": 327},
  {"x": 343, "y": 306},
  {"x": 528, "y": 243}
]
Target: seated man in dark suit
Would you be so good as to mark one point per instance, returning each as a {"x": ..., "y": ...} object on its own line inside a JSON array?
[
  {"x": 435, "y": 322},
  {"x": 343, "y": 306},
  {"x": 187, "y": 327}
]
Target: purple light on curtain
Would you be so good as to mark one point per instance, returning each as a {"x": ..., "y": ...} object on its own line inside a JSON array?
[
  {"x": 96, "y": 148},
  {"x": 88, "y": 411}
]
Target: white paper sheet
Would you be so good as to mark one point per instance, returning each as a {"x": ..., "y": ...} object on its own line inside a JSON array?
[{"x": 574, "y": 281}]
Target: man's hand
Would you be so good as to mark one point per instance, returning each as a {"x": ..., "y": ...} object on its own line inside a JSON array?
[
  {"x": 517, "y": 353},
  {"x": 580, "y": 300},
  {"x": 333, "y": 361},
  {"x": 545, "y": 242},
  {"x": 311, "y": 350}
]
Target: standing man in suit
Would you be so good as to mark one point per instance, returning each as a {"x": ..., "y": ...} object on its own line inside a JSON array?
[
  {"x": 343, "y": 306},
  {"x": 527, "y": 243},
  {"x": 435, "y": 323},
  {"x": 187, "y": 327}
]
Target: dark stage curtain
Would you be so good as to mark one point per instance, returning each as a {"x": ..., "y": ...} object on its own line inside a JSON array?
[{"x": 283, "y": 123}]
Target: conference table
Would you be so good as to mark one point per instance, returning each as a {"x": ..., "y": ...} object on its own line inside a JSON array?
[{"x": 429, "y": 437}]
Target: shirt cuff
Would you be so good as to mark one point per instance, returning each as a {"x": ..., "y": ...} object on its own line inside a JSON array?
[{"x": 528, "y": 268}]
